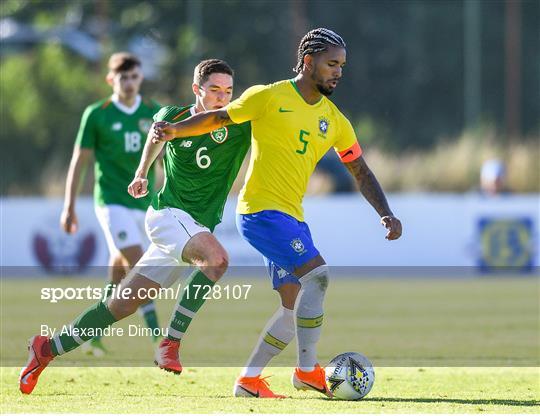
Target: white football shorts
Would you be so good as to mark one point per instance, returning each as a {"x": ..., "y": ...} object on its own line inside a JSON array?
[
  {"x": 169, "y": 230},
  {"x": 123, "y": 227}
]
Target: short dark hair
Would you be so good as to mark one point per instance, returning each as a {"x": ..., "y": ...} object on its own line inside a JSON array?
[
  {"x": 123, "y": 61},
  {"x": 317, "y": 40},
  {"x": 208, "y": 67}
]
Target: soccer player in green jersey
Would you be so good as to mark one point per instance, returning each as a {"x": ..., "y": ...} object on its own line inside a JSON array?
[
  {"x": 199, "y": 172},
  {"x": 294, "y": 124},
  {"x": 112, "y": 131}
]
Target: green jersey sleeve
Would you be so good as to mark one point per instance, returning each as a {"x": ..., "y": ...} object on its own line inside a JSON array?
[
  {"x": 86, "y": 137},
  {"x": 172, "y": 113}
]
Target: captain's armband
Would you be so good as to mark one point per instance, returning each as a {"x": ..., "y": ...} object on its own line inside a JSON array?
[{"x": 350, "y": 154}]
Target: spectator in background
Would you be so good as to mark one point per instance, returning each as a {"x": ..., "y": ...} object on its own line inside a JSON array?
[{"x": 493, "y": 178}]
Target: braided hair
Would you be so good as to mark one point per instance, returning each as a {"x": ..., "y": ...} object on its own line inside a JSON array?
[{"x": 317, "y": 40}]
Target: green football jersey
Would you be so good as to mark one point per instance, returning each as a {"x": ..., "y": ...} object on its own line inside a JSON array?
[
  {"x": 117, "y": 139},
  {"x": 200, "y": 170}
]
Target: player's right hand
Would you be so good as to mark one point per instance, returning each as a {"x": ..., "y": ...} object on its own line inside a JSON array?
[
  {"x": 68, "y": 221},
  {"x": 138, "y": 187},
  {"x": 162, "y": 131}
]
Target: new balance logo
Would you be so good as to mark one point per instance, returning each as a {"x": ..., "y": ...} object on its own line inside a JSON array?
[
  {"x": 186, "y": 143},
  {"x": 283, "y": 110}
]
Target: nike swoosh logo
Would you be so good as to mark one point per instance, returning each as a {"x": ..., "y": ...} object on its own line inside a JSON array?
[
  {"x": 24, "y": 379},
  {"x": 282, "y": 110},
  {"x": 250, "y": 392},
  {"x": 346, "y": 154},
  {"x": 323, "y": 391}
]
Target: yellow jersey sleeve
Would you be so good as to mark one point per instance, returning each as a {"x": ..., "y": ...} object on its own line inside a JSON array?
[
  {"x": 346, "y": 136},
  {"x": 251, "y": 105}
]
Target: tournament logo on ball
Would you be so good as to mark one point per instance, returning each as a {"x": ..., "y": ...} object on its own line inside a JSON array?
[
  {"x": 144, "y": 125},
  {"x": 323, "y": 126},
  {"x": 219, "y": 135},
  {"x": 298, "y": 246},
  {"x": 334, "y": 383}
]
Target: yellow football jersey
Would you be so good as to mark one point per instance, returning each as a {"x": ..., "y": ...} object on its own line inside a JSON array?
[{"x": 289, "y": 137}]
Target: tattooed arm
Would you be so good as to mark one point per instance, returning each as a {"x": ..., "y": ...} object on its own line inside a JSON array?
[{"x": 372, "y": 191}]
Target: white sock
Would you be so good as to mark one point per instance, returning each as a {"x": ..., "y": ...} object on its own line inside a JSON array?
[
  {"x": 309, "y": 316},
  {"x": 277, "y": 333}
]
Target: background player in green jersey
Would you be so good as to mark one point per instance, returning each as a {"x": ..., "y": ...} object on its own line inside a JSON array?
[
  {"x": 112, "y": 131},
  {"x": 198, "y": 176}
]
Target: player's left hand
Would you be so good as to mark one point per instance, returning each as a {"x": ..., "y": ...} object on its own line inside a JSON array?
[
  {"x": 393, "y": 225},
  {"x": 138, "y": 187}
]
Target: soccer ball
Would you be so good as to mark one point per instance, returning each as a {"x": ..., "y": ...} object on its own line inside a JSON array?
[{"x": 350, "y": 376}]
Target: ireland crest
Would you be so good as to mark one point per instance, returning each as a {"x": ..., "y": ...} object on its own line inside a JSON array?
[{"x": 219, "y": 135}]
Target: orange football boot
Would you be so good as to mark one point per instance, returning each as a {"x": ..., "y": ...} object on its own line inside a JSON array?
[
  {"x": 311, "y": 380},
  {"x": 254, "y": 387},
  {"x": 39, "y": 356},
  {"x": 167, "y": 357}
]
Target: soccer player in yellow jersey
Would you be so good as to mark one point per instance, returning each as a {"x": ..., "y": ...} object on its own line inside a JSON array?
[{"x": 293, "y": 126}]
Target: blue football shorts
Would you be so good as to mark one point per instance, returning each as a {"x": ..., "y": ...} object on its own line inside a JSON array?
[{"x": 284, "y": 242}]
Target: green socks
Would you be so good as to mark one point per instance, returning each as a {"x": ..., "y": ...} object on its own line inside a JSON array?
[
  {"x": 97, "y": 317},
  {"x": 87, "y": 325},
  {"x": 108, "y": 292},
  {"x": 148, "y": 312},
  {"x": 196, "y": 288}
]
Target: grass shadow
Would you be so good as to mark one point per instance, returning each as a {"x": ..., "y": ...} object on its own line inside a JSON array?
[{"x": 501, "y": 402}]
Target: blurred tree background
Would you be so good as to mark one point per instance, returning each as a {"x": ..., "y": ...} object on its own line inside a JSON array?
[{"x": 421, "y": 75}]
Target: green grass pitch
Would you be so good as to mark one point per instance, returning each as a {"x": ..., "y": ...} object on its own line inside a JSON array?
[
  {"x": 438, "y": 346},
  {"x": 208, "y": 390}
]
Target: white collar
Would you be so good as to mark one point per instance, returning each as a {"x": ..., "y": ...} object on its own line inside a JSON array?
[
  {"x": 125, "y": 109},
  {"x": 192, "y": 110}
]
